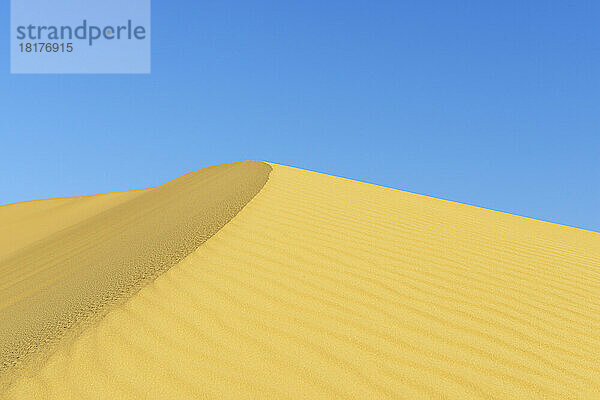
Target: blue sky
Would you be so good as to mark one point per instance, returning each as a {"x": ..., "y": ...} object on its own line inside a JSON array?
[{"x": 495, "y": 104}]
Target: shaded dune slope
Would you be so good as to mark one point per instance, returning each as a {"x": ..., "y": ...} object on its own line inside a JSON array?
[
  {"x": 323, "y": 287},
  {"x": 22, "y": 224},
  {"x": 72, "y": 258}
]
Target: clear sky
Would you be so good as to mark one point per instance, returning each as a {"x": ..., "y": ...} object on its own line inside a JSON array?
[{"x": 490, "y": 103}]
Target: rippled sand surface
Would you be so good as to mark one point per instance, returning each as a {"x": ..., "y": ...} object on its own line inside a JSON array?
[{"x": 321, "y": 288}]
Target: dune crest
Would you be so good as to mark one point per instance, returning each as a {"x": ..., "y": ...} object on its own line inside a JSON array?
[
  {"x": 323, "y": 287},
  {"x": 72, "y": 258}
]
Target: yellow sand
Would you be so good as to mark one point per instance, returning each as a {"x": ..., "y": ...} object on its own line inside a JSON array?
[
  {"x": 327, "y": 288},
  {"x": 74, "y": 258},
  {"x": 22, "y": 224}
]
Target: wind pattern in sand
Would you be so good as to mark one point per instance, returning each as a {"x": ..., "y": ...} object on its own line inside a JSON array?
[{"x": 324, "y": 288}]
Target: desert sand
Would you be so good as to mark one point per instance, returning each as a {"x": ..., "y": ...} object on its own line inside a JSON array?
[{"x": 255, "y": 280}]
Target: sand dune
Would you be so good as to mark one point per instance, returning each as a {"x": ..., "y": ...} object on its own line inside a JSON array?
[
  {"x": 320, "y": 287},
  {"x": 76, "y": 257}
]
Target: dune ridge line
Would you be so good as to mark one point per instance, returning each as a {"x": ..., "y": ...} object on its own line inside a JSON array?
[{"x": 72, "y": 258}]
